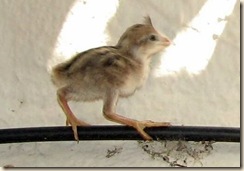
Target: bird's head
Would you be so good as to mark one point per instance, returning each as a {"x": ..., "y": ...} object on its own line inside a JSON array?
[{"x": 143, "y": 40}]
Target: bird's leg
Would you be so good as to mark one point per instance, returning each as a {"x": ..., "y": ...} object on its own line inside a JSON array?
[
  {"x": 109, "y": 113},
  {"x": 70, "y": 117}
]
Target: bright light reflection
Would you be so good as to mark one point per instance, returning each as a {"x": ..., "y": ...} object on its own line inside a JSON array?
[
  {"x": 195, "y": 45},
  {"x": 84, "y": 28}
]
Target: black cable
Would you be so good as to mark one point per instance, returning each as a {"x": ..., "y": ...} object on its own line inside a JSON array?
[{"x": 187, "y": 133}]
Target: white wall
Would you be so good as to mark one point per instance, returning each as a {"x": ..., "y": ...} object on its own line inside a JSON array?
[{"x": 29, "y": 30}]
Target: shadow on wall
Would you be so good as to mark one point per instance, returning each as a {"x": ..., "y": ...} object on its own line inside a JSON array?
[
  {"x": 29, "y": 30},
  {"x": 83, "y": 28},
  {"x": 209, "y": 87},
  {"x": 168, "y": 17}
]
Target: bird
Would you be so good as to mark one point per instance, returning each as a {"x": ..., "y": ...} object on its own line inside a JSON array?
[{"x": 109, "y": 73}]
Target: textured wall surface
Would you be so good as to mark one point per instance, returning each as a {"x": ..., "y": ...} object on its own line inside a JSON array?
[{"x": 29, "y": 31}]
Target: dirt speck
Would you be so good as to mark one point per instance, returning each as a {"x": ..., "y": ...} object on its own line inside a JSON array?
[
  {"x": 178, "y": 153},
  {"x": 111, "y": 153}
]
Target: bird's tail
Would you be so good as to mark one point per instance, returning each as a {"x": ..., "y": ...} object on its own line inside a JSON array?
[{"x": 60, "y": 75}]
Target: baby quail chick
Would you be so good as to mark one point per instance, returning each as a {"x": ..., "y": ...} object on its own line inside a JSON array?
[{"x": 108, "y": 73}]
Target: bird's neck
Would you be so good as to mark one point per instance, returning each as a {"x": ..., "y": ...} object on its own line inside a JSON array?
[{"x": 135, "y": 53}]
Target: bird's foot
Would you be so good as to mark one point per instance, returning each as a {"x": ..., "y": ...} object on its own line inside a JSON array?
[
  {"x": 140, "y": 125},
  {"x": 74, "y": 123}
]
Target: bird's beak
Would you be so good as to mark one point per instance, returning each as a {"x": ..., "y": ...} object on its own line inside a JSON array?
[{"x": 166, "y": 41}]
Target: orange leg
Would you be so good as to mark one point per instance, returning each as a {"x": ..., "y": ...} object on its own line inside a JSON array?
[
  {"x": 109, "y": 108},
  {"x": 71, "y": 119}
]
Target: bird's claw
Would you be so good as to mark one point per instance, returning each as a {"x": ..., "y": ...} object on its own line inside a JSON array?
[
  {"x": 74, "y": 124},
  {"x": 141, "y": 125}
]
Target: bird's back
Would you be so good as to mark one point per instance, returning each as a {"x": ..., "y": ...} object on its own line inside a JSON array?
[{"x": 101, "y": 67}]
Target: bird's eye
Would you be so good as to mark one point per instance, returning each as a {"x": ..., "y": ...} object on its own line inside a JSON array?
[{"x": 152, "y": 38}]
